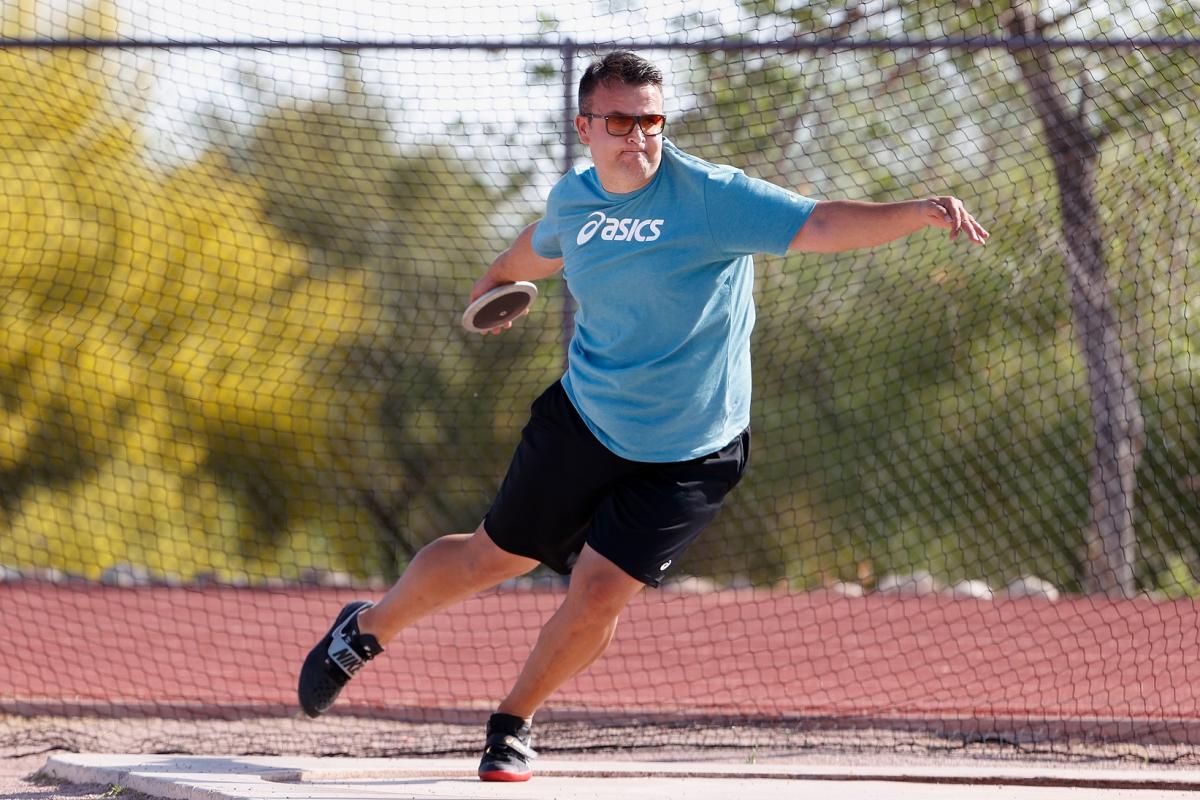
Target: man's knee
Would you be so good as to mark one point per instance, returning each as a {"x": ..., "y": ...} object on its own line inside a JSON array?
[
  {"x": 600, "y": 586},
  {"x": 484, "y": 555}
]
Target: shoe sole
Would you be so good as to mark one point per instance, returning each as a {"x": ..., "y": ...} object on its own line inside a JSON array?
[
  {"x": 500, "y": 776},
  {"x": 317, "y": 690}
]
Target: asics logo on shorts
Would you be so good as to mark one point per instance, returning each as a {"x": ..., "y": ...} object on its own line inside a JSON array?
[{"x": 613, "y": 229}]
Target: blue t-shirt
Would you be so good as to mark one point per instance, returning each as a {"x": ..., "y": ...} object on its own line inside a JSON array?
[{"x": 659, "y": 366}]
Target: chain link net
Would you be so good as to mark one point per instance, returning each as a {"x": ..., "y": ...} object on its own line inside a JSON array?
[{"x": 234, "y": 392}]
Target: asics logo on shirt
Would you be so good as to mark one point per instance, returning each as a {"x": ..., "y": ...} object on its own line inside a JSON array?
[{"x": 613, "y": 229}]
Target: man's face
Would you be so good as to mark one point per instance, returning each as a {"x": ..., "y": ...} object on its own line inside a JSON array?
[{"x": 623, "y": 163}]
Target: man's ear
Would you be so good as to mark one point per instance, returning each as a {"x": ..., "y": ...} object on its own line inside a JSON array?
[{"x": 581, "y": 128}]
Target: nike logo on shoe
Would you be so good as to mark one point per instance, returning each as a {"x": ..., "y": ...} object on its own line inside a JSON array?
[{"x": 342, "y": 654}]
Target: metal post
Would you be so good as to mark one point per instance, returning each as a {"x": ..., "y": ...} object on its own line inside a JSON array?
[{"x": 568, "y": 56}]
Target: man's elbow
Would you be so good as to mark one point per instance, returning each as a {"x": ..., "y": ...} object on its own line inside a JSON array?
[{"x": 816, "y": 235}]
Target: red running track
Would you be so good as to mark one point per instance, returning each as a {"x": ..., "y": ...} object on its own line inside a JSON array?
[{"x": 1132, "y": 665}]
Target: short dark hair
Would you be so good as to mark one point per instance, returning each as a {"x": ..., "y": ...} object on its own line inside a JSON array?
[{"x": 623, "y": 67}]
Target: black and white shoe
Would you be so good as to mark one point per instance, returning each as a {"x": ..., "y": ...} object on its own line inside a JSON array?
[
  {"x": 335, "y": 660},
  {"x": 507, "y": 753}
]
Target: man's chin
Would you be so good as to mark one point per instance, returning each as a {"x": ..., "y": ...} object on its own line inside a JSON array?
[
  {"x": 637, "y": 163},
  {"x": 633, "y": 172}
]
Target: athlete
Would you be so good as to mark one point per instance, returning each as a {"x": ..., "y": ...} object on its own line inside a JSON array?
[{"x": 630, "y": 455}]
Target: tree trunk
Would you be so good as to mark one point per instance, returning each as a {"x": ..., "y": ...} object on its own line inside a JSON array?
[{"x": 1116, "y": 412}]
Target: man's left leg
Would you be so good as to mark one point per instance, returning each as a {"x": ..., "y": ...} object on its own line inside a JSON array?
[
  {"x": 644, "y": 522},
  {"x": 577, "y": 633},
  {"x": 575, "y": 636}
]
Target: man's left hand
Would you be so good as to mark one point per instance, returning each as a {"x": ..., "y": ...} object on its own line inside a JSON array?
[{"x": 949, "y": 213}]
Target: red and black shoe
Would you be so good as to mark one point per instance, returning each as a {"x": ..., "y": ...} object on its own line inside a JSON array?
[
  {"x": 335, "y": 660},
  {"x": 507, "y": 753}
]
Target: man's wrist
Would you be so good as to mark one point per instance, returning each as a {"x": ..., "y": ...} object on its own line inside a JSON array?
[{"x": 932, "y": 209}]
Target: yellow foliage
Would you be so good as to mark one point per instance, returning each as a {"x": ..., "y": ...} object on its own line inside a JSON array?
[
  {"x": 152, "y": 326},
  {"x": 50, "y": 95}
]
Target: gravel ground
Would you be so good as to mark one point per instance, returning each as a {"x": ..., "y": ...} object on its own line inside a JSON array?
[
  {"x": 27, "y": 742},
  {"x": 19, "y": 781}
]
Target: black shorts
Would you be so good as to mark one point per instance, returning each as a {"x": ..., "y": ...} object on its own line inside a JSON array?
[{"x": 565, "y": 488}]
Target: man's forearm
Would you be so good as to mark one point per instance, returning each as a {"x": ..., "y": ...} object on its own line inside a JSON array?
[
  {"x": 521, "y": 263},
  {"x": 518, "y": 263},
  {"x": 837, "y": 225}
]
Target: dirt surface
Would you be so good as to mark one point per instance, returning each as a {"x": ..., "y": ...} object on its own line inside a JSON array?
[
  {"x": 26, "y": 743},
  {"x": 19, "y": 781}
]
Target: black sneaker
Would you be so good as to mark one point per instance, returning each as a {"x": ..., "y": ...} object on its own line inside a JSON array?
[
  {"x": 507, "y": 753},
  {"x": 335, "y": 660}
]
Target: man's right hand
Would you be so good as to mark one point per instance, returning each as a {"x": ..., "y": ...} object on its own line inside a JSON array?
[
  {"x": 518, "y": 263},
  {"x": 486, "y": 284}
]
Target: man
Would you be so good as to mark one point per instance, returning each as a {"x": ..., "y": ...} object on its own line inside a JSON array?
[{"x": 630, "y": 455}]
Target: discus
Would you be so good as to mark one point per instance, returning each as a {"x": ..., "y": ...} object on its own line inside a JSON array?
[{"x": 498, "y": 306}]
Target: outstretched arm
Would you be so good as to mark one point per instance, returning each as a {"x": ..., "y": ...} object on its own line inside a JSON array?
[
  {"x": 518, "y": 263},
  {"x": 838, "y": 225}
]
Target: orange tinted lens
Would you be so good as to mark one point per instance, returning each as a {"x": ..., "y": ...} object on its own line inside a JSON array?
[
  {"x": 618, "y": 124},
  {"x": 653, "y": 123}
]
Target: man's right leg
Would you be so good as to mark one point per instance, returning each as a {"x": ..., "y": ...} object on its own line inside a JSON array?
[{"x": 444, "y": 572}]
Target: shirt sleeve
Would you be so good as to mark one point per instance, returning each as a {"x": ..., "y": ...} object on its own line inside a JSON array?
[
  {"x": 747, "y": 215},
  {"x": 545, "y": 236}
]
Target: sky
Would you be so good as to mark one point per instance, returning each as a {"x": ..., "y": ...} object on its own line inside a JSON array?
[
  {"x": 489, "y": 93},
  {"x": 374, "y": 20},
  {"x": 424, "y": 89}
]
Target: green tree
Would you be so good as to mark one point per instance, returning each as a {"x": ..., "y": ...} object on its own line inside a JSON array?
[
  {"x": 248, "y": 365},
  {"x": 415, "y": 225},
  {"x": 906, "y": 122}
]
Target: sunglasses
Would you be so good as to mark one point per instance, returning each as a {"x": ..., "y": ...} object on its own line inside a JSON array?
[{"x": 622, "y": 124}]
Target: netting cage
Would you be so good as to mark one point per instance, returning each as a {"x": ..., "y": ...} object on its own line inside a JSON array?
[{"x": 235, "y": 392}]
